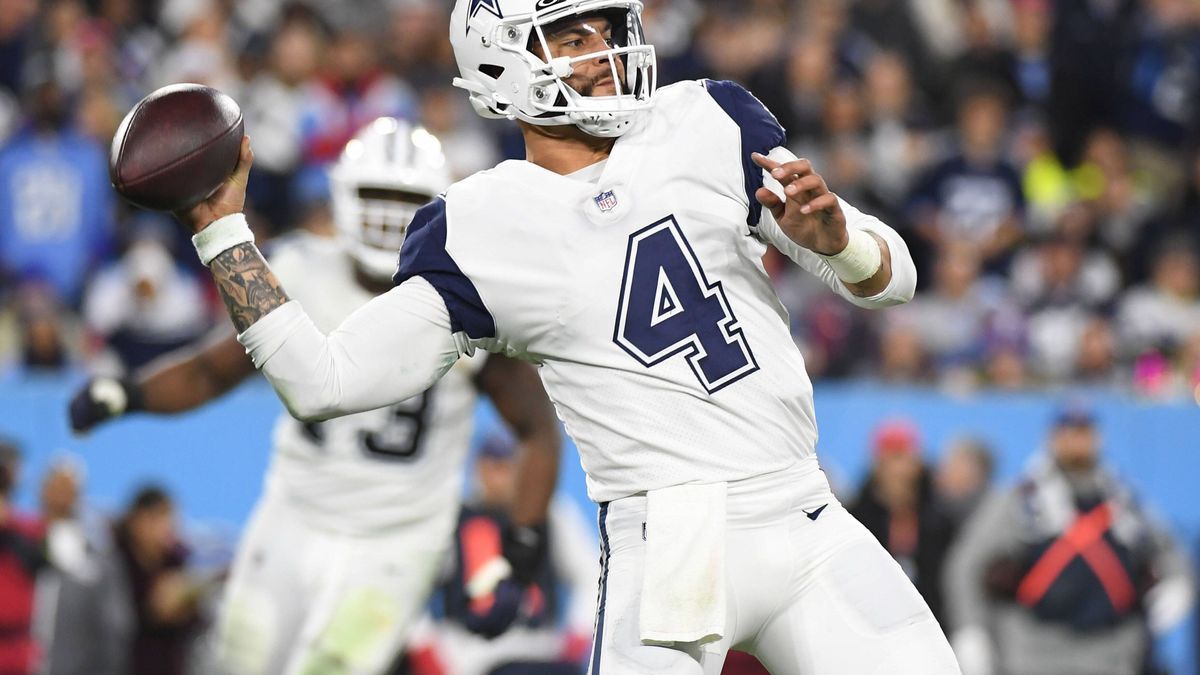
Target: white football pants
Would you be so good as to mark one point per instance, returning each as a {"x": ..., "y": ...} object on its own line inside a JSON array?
[
  {"x": 303, "y": 601},
  {"x": 807, "y": 596}
]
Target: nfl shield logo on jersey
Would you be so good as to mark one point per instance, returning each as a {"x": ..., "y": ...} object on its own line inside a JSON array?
[{"x": 607, "y": 200}]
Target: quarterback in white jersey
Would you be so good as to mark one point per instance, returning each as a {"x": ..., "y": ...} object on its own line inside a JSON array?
[
  {"x": 623, "y": 258},
  {"x": 357, "y": 513}
]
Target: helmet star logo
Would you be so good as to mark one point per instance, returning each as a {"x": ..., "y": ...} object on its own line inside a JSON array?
[{"x": 492, "y": 6}]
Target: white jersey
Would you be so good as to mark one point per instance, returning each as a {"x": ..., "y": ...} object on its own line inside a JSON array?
[
  {"x": 640, "y": 294},
  {"x": 364, "y": 473}
]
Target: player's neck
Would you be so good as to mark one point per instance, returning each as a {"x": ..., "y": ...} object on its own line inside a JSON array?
[{"x": 563, "y": 149}]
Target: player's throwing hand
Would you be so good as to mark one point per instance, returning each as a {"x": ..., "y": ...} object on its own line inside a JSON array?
[
  {"x": 230, "y": 198},
  {"x": 810, "y": 215}
]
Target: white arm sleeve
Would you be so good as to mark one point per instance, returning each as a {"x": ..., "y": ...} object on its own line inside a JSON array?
[
  {"x": 904, "y": 272},
  {"x": 390, "y": 349}
]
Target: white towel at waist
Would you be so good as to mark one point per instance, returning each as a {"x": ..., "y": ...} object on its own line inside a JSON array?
[{"x": 683, "y": 587}]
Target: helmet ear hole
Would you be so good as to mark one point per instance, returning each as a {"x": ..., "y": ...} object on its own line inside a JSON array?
[{"x": 492, "y": 70}]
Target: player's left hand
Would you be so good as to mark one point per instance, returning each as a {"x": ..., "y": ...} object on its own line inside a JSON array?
[
  {"x": 810, "y": 215},
  {"x": 102, "y": 399},
  {"x": 525, "y": 548}
]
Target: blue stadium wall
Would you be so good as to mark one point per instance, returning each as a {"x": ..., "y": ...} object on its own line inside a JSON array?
[{"x": 213, "y": 459}]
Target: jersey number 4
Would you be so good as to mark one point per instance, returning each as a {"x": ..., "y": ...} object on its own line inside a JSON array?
[{"x": 668, "y": 308}]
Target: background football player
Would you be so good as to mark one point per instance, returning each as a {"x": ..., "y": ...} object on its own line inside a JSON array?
[
  {"x": 538, "y": 642},
  {"x": 623, "y": 256},
  {"x": 357, "y": 512}
]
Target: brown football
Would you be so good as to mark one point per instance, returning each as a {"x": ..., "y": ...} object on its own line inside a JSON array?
[{"x": 176, "y": 147}]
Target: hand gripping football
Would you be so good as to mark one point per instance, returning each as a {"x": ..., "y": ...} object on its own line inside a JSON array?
[{"x": 176, "y": 147}]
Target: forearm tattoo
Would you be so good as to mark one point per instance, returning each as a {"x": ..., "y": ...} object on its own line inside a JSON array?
[{"x": 248, "y": 287}]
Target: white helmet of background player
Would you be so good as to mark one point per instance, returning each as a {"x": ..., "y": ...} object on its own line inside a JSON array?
[
  {"x": 491, "y": 40},
  {"x": 386, "y": 172}
]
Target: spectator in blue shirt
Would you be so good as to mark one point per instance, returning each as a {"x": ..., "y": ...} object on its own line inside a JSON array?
[
  {"x": 56, "y": 210},
  {"x": 974, "y": 197}
]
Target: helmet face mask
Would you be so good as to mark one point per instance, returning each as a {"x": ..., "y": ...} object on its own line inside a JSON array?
[
  {"x": 501, "y": 60},
  {"x": 388, "y": 171},
  {"x": 625, "y": 67},
  {"x": 382, "y": 214}
]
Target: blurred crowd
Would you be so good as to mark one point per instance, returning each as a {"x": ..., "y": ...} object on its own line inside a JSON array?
[
  {"x": 86, "y": 591},
  {"x": 1040, "y": 157},
  {"x": 81, "y": 592},
  {"x": 1063, "y": 572}
]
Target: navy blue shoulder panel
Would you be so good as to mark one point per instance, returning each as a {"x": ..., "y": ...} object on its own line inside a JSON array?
[
  {"x": 761, "y": 133},
  {"x": 424, "y": 254}
]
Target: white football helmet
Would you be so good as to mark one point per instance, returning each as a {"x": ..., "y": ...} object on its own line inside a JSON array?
[
  {"x": 387, "y": 171},
  {"x": 492, "y": 39}
]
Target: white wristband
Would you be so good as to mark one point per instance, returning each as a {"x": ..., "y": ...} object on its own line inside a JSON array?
[
  {"x": 859, "y": 261},
  {"x": 221, "y": 235}
]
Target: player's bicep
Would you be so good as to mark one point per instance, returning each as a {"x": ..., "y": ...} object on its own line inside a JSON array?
[
  {"x": 400, "y": 343},
  {"x": 390, "y": 349}
]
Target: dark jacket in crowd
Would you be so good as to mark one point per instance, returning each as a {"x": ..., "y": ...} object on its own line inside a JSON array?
[
  {"x": 934, "y": 535},
  {"x": 158, "y": 648},
  {"x": 1059, "y": 571}
]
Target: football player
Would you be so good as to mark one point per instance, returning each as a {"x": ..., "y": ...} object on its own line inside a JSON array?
[
  {"x": 623, "y": 257},
  {"x": 357, "y": 513},
  {"x": 554, "y": 627}
]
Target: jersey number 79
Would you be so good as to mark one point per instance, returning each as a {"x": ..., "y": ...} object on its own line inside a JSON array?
[{"x": 669, "y": 308}]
